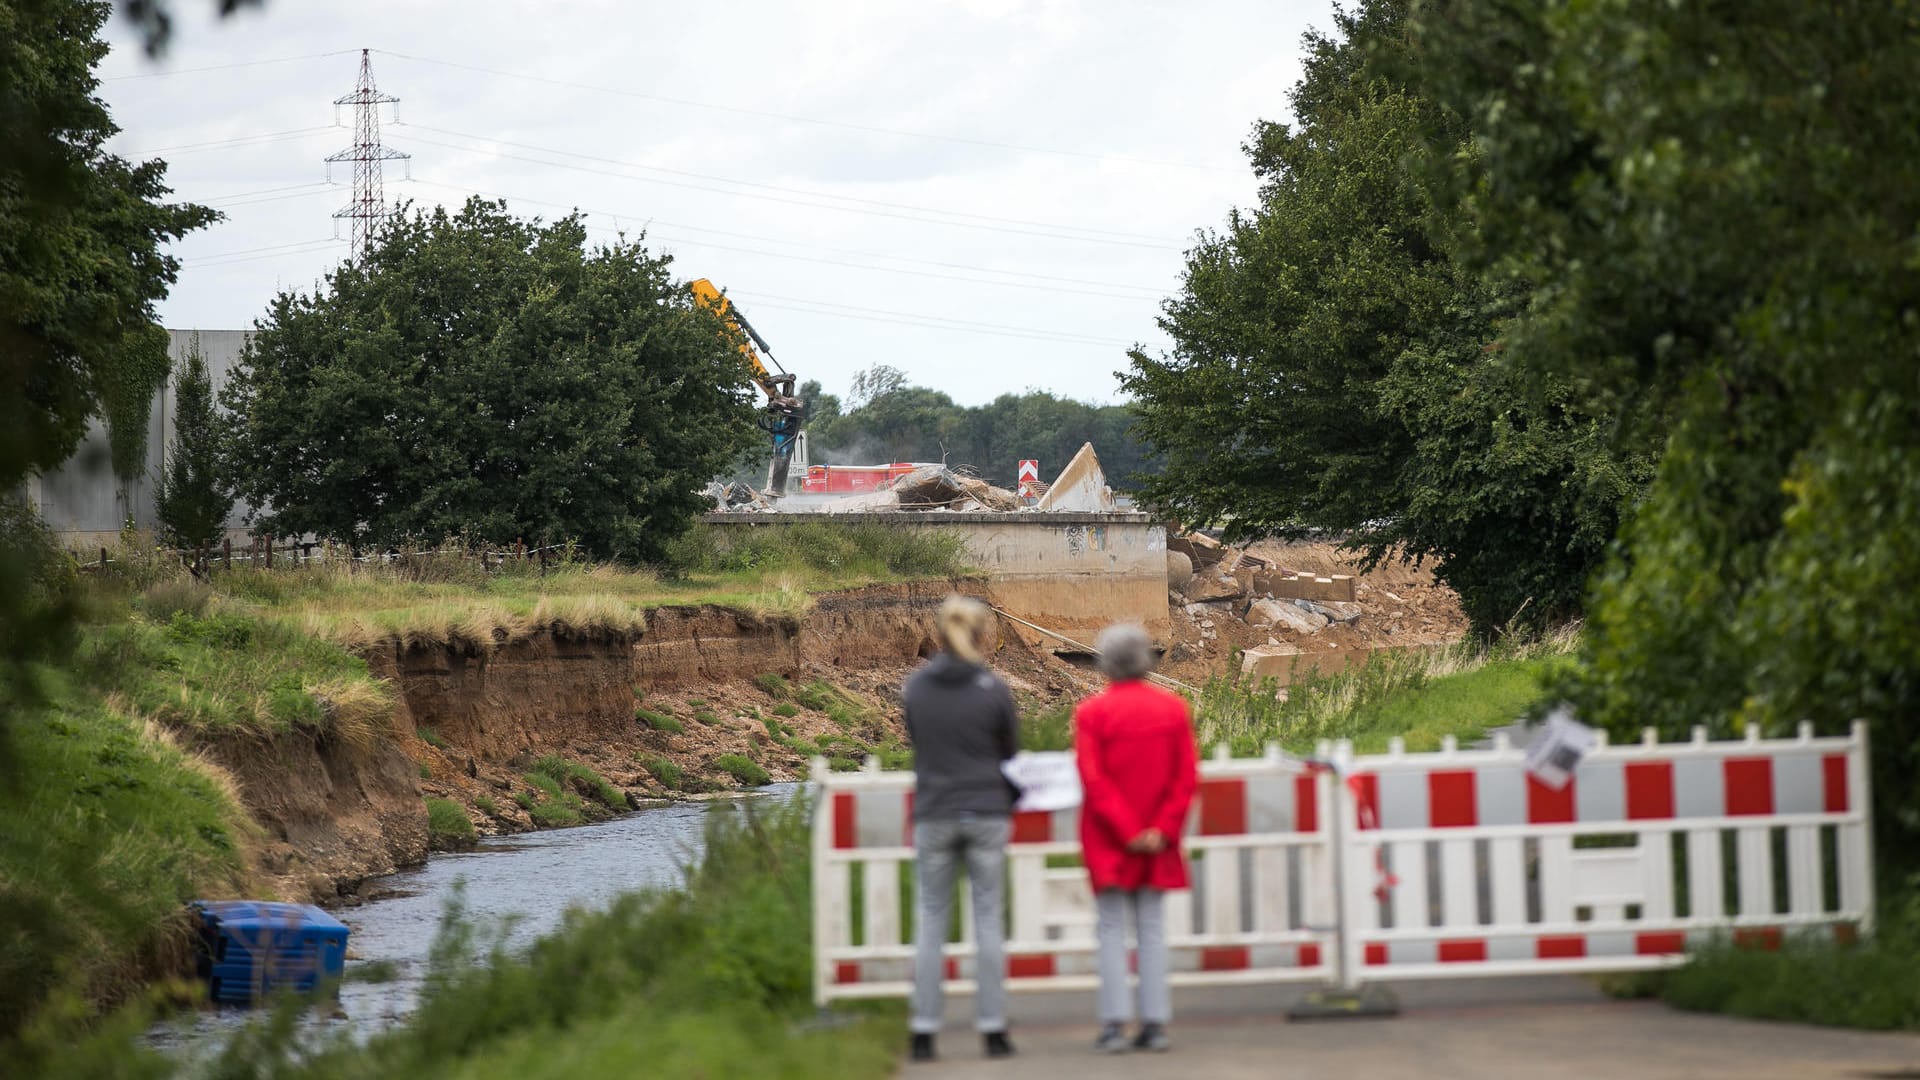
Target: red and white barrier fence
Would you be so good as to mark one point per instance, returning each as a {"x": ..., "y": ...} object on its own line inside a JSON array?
[{"x": 1396, "y": 866}]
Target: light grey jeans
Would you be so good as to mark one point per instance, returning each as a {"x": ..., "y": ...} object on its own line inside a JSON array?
[
  {"x": 1150, "y": 928},
  {"x": 980, "y": 841}
]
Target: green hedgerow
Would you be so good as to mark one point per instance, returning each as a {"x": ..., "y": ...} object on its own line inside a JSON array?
[{"x": 742, "y": 769}]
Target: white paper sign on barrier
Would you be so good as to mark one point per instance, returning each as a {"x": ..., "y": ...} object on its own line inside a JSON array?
[
  {"x": 1556, "y": 752},
  {"x": 1047, "y": 781}
]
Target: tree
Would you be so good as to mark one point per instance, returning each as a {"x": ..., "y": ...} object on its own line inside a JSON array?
[
  {"x": 1715, "y": 209},
  {"x": 483, "y": 375},
  {"x": 1335, "y": 368},
  {"x": 81, "y": 265},
  {"x": 193, "y": 502}
]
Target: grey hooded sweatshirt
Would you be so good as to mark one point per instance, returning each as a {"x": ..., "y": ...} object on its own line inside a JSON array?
[{"x": 963, "y": 723}]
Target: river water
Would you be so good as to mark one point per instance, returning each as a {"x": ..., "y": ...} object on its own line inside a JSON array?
[{"x": 525, "y": 883}]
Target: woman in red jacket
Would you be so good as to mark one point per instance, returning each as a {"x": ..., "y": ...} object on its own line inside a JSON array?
[{"x": 1134, "y": 744}]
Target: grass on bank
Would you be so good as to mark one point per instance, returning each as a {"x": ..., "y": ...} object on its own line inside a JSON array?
[
  {"x": 107, "y": 828},
  {"x": 448, "y": 827}
]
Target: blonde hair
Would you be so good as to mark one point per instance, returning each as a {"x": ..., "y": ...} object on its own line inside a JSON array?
[{"x": 964, "y": 627}]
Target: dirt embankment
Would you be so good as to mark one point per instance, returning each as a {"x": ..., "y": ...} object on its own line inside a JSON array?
[{"x": 469, "y": 724}]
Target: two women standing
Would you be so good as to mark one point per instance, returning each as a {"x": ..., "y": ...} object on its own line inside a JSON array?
[{"x": 1134, "y": 746}]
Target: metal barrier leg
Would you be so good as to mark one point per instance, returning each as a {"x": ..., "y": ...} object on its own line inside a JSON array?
[{"x": 1347, "y": 998}]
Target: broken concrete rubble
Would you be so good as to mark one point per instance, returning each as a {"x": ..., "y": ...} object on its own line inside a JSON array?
[
  {"x": 1283, "y": 614},
  {"x": 1179, "y": 570},
  {"x": 1269, "y": 662},
  {"x": 1081, "y": 486},
  {"x": 1204, "y": 550},
  {"x": 1212, "y": 585}
]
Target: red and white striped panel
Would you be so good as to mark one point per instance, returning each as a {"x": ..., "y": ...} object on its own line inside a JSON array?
[
  {"x": 1681, "y": 786},
  {"x": 1225, "y": 806},
  {"x": 1033, "y": 970},
  {"x": 1546, "y": 948}
]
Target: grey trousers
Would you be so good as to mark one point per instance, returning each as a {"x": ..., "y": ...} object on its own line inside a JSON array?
[
  {"x": 1150, "y": 928},
  {"x": 939, "y": 847}
]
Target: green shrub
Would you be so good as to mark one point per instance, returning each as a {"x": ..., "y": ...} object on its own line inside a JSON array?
[
  {"x": 659, "y": 721},
  {"x": 742, "y": 769},
  {"x": 842, "y": 764},
  {"x": 665, "y": 772},
  {"x": 426, "y": 771},
  {"x": 774, "y": 686},
  {"x": 1810, "y": 979},
  {"x": 696, "y": 703},
  {"x": 706, "y": 718},
  {"x": 448, "y": 827},
  {"x": 786, "y": 709},
  {"x": 432, "y": 738},
  {"x": 1050, "y": 728},
  {"x": 526, "y": 800},
  {"x": 487, "y": 806}
]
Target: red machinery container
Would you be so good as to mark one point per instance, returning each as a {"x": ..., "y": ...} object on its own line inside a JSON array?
[{"x": 853, "y": 479}]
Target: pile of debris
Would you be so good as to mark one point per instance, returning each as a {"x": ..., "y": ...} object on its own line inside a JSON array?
[
  {"x": 1081, "y": 486},
  {"x": 1286, "y": 609}
]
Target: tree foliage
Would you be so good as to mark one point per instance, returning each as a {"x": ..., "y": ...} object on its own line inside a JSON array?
[
  {"x": 895, "y": 421},
  {"x": 1715, "y": 207},
  {"x": 484, "y": 375},
  {"x": 1335, "y": 367},
  {"x": 193, "y": 502},
  {"x": 81, "y": 265}
]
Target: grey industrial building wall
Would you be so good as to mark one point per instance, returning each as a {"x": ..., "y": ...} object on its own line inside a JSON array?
[{"x": 84, "y": 502}]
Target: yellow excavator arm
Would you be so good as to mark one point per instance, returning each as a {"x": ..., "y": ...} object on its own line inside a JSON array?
[{"x": 783, "y": 413}]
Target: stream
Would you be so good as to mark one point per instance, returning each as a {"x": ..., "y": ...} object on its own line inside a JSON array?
[{"x": 526, "y": 882}]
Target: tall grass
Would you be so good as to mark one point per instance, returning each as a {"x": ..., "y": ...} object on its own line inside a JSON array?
[
  {"x": 1812, "y": 978},
  {"x": 1421, "y": 695},
  {"x": 826, "y": 547}
]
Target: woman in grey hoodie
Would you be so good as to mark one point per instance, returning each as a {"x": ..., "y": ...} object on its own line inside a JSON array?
[{"x": 963, "y": 724}]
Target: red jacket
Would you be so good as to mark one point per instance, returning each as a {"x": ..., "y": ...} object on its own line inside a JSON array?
[{"x": 1134, "y": 744}]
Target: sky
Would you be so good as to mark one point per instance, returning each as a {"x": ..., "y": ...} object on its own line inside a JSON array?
[{"x": 990, "y": 195}]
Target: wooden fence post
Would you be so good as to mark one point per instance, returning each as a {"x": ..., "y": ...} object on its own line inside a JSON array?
[{"x": 226, "y": 551}]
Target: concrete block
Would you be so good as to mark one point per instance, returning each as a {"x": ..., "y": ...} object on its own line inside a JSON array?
[
  {"x": 1209, "y": 585},
  {"x": 1283, "y": 614},
  {"x": 1292, "y": 585}
]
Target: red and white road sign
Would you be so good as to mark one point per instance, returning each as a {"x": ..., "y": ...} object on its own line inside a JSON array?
[{"x": 1029, "y": 477}]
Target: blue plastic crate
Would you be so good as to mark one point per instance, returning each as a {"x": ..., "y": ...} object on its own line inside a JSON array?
[{"x": 250, "y": 948}]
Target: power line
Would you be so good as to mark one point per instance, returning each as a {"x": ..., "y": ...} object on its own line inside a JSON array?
[
  {"x": 786, "y": 190},
  {"x": 861, "y": 310},
  {"x": 1055, "y": 339},
  {"x": 1024, "y": 285},
  {"x": 798, "y": 119},
  {"x": 810, "y": 205},
  {"x": 227, "y": 67},
  {"x": 231, "y": 196},
  {"x": 236, "y": 141},
  {"x": 305, "y": 247}
]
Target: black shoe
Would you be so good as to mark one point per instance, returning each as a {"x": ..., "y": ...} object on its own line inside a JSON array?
[
  {"x": 1112, "y": 1040},
  {"x": 997, "y": 1044},
  {"x": 922, "y": 1047},
  {"x": 1153, "y": 1037}
]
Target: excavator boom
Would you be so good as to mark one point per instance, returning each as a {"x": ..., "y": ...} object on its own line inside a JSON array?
[{"x": 783, "y": 413}]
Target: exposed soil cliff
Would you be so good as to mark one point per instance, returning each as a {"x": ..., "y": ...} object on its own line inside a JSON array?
[{"x": 469, "y": 724}]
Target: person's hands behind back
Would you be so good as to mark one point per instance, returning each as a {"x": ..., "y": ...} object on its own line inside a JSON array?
[{"x": 1149, "y": 842}]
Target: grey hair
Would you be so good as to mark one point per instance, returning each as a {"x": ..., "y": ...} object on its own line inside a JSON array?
[{"x": 1126, "y": 652}]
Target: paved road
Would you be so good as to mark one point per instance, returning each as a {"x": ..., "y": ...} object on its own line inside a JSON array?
[{"x": 1534, "y": 1028}]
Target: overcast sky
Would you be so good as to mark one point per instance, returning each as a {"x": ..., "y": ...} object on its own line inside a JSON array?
[{"x": 991, "y": 195}]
